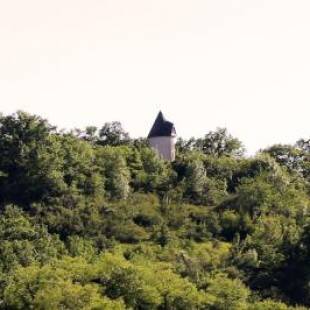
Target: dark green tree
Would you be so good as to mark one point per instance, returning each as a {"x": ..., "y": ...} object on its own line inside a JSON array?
[
  {"x": 219, "y": 143},
  {"x": 113, "y": 134},
  {"x": 31, "y": 159}
]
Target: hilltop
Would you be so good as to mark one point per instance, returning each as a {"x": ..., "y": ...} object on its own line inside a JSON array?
[{"x": 92, "y": 219}]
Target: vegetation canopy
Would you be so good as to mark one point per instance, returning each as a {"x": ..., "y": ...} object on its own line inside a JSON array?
[{"x": 92, "y": 219}]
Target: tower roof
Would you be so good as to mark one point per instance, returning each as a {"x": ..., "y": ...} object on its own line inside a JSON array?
[{"x": 162, "y": 127}]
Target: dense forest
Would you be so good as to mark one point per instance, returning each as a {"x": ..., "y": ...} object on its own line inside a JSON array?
[{"x": 92, "y": 219}]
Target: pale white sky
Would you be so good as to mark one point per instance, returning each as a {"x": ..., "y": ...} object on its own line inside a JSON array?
[{"x": 243, "y": 64}]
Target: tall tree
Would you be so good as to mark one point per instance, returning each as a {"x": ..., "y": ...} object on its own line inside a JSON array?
[
  {"x": 30, "y": 159},
  {"x": 113, "y": 134},
  {"x": 219, "y": 143}
]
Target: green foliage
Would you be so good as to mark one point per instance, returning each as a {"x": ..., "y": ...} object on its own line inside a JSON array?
[
  {"x": 93, "y": 220},
  {"x": 226, "y": 293},
  {"x": 154, "y": 172},
  {"x": 29, "y": 161},
  {"x": 23, "y": 243},
  {"x": 112, "y": 166},
  {"x": 289, "y": 156},
  {"x": 80, "y": 173},
  {"x": 268, "y": 305},
  {"x": 220, "y": 143},
  {"x": 151, "y": 286},
  {"x": 81, "y": 247},
  {"x": 55, "y": 287},
  {"x": 112, "y": 134}
]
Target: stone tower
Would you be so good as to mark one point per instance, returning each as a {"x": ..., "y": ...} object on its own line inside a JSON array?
[{"x": 162, "y": 137}]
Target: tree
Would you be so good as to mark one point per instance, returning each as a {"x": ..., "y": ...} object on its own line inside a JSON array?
[
  {"x": 296, "y": 271},
  {"x": 220, "y": 143},
  {"x": 113, "y": 134},
  {"x": 286, "y": 155},
  {"x": 295, "y": 158},
  {"x": 79, "y": 170},
  {"x": 90, "y": 134},
  {"x": 54, "y": 287},
  {"x": 183, "y": 146},
  {"x": 113, "y": 226},
  {"x": 225, "y": 293},
  {"x": 154, "y": 173},
  {"x": 151, "y": 286},
  {"x": 113, "y": 168},
  {"x": 30, "y": 159},
  {"x": 269, "y": 305},
  {"x": 196, "y": 180},
  {"x": 304, "y": 146},
  {"x": 23, "y": 243}
]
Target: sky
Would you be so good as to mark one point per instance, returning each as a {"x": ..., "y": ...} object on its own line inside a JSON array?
[{"x": 240, "y": 64}]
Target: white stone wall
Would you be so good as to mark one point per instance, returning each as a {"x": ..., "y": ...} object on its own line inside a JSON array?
[{"x": 165, "y": 146}]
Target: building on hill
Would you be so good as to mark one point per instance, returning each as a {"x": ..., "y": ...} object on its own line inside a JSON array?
[{"x": 162, "y": 137}]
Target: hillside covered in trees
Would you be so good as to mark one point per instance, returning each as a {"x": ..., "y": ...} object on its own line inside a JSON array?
[{"x": 93, "y": 219}]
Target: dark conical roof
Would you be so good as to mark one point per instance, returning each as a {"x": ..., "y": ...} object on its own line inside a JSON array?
[{"x": 162, "y": 127}]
